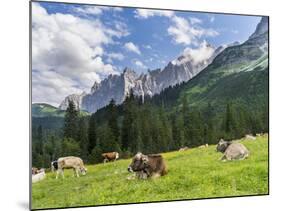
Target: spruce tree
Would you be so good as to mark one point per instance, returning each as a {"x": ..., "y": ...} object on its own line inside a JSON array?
[
  {"x": 71, "y": 122},
  {"x": 112, "y": 121},
  {"x": 83, "y": 138},
  {"x": 92, "y": 134}
]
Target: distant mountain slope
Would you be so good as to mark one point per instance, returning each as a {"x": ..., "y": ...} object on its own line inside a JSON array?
[
  {"x": 117, "y": 87},
  {"x": 45, "y": 110},
  {"x": 239, "y": 73}
]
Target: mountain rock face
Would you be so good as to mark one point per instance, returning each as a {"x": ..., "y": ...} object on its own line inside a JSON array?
[
  {"x": 117, "y": 87},
  {"x": 75, "y": 98}
]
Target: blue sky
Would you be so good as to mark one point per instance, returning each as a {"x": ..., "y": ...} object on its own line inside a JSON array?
[{"x": 76, "y": 45}]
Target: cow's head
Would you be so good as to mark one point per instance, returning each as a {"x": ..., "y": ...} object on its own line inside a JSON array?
[
  {"x": 222, "y": 145},
  {"x": 139, "y": 163},
  {"x": 83, "y": 170}
]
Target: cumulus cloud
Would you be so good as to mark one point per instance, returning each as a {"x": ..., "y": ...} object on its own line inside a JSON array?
[
  {"x": 197, "y": 55},
  {"x": 183, "y": 32},
  {"x": 129, "y": 46},
  {"x": 146, "y": 13},
  {"x": 67, "y": 54}
]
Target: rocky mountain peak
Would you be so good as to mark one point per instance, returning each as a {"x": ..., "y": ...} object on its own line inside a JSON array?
[
  {"x": 95, "y": 87},
  {"x": 261, "y": 28}
]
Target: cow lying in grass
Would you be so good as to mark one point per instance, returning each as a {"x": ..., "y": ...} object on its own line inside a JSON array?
[
  {"x": 110, "y": 156},
  {"x": 203, "y": 146},
  {"x": 70, "y": 162},
  {"x": 232, "y": 151},
  {"x": 146, "y": 166},
  {"x": 40, "y": 175}
]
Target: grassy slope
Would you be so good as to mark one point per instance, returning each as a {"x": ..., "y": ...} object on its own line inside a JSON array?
[
  {"x": 196, "y": 173},
  {"x": 246, "y": 84}
]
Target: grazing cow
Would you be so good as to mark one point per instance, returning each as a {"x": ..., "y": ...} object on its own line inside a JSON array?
[
  {"x": 34, "y": 170},
  {"x": 250, "y": 137},
  {"x": 147, "y": 166},
  {"x": 203, "y": 146},
  {"x": 110, "y": 156},
  {"x": 183, "y": 149},
  {"x": 39, "y": 176},
  {"x": 71, "y": 162},
  {"x": 232, "y": 151}
]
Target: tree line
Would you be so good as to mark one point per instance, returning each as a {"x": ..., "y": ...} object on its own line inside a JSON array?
[{"x": 148, "y": 127}]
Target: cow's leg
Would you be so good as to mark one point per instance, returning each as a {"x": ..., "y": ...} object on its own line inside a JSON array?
[
  {"x": 105, "y": 160},
  {"x": 62, "y": 173},
  {"x": 77, "y": 172},
  {"x": 74, "y": 172},
  {"x": 57, "y": 175}
]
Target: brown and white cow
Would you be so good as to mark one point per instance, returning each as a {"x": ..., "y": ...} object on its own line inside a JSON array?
[
  {"x": 71, "y": 162},
  {"x": 146, "y": 166},
  {"x": 34, "y": 170},
  {"x": 110, "y": 156}
]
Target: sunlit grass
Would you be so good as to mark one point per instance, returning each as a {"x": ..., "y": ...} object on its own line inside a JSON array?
[{"x": 196, "y": 173}]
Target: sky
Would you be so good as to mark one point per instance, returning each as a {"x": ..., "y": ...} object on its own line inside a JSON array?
[{"x": 75, "y": 45}]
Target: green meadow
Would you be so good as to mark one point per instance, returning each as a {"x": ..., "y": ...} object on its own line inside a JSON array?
[{"x": 192, "y": 174}]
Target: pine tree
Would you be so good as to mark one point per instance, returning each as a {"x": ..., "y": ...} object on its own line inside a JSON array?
[
  {"x": 71, "y": 122},
  {"x": 92, "y": 135},
  {"x": 83, "y": 138},
  {"x": 112, "y": 120},
  {"x": 95, "y": 155},
  {"x": 230, "y": 124}
]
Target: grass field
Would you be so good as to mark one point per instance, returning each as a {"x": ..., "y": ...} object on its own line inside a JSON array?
[{"x": 196, "y": 173}]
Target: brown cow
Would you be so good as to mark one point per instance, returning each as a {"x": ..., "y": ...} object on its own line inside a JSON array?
[
  {"x": 110, "y": 156},
  {"x": 147, "y": 166}
]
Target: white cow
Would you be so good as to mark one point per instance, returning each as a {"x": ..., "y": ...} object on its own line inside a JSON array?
[
  {"x": 71, "y": 162},
  {"x": 39, "y": 176}
]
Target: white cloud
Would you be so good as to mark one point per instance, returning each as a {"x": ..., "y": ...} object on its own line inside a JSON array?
[
  {"x": 147, "y": 46},
  {"x": 197, "y": 55},
  {"x": 140, "y": 64},
  {"x": 212, "y": 19},
  {"x": 67, "y": 54},
  {"x": 129, "y": 46},
  {"x": 95, "y": 10},
  {"x": 185, "y": 33},
  {"x": 116, "y": 56},
  {"x": 194, "y": 20},
  {"x": 89, "y": 10},
  {"x": 146, "y": 13}
]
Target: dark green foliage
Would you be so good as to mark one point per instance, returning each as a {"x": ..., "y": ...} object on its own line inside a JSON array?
[
  {"x": 70, "y": 147},
  {"x": 92, "y": 136},
  {"x": 95, "y": 155},
  {"x": 71, "y": 122},
  {"x": 112, "y": 120},
  {"x": 83, "y": 138}
]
